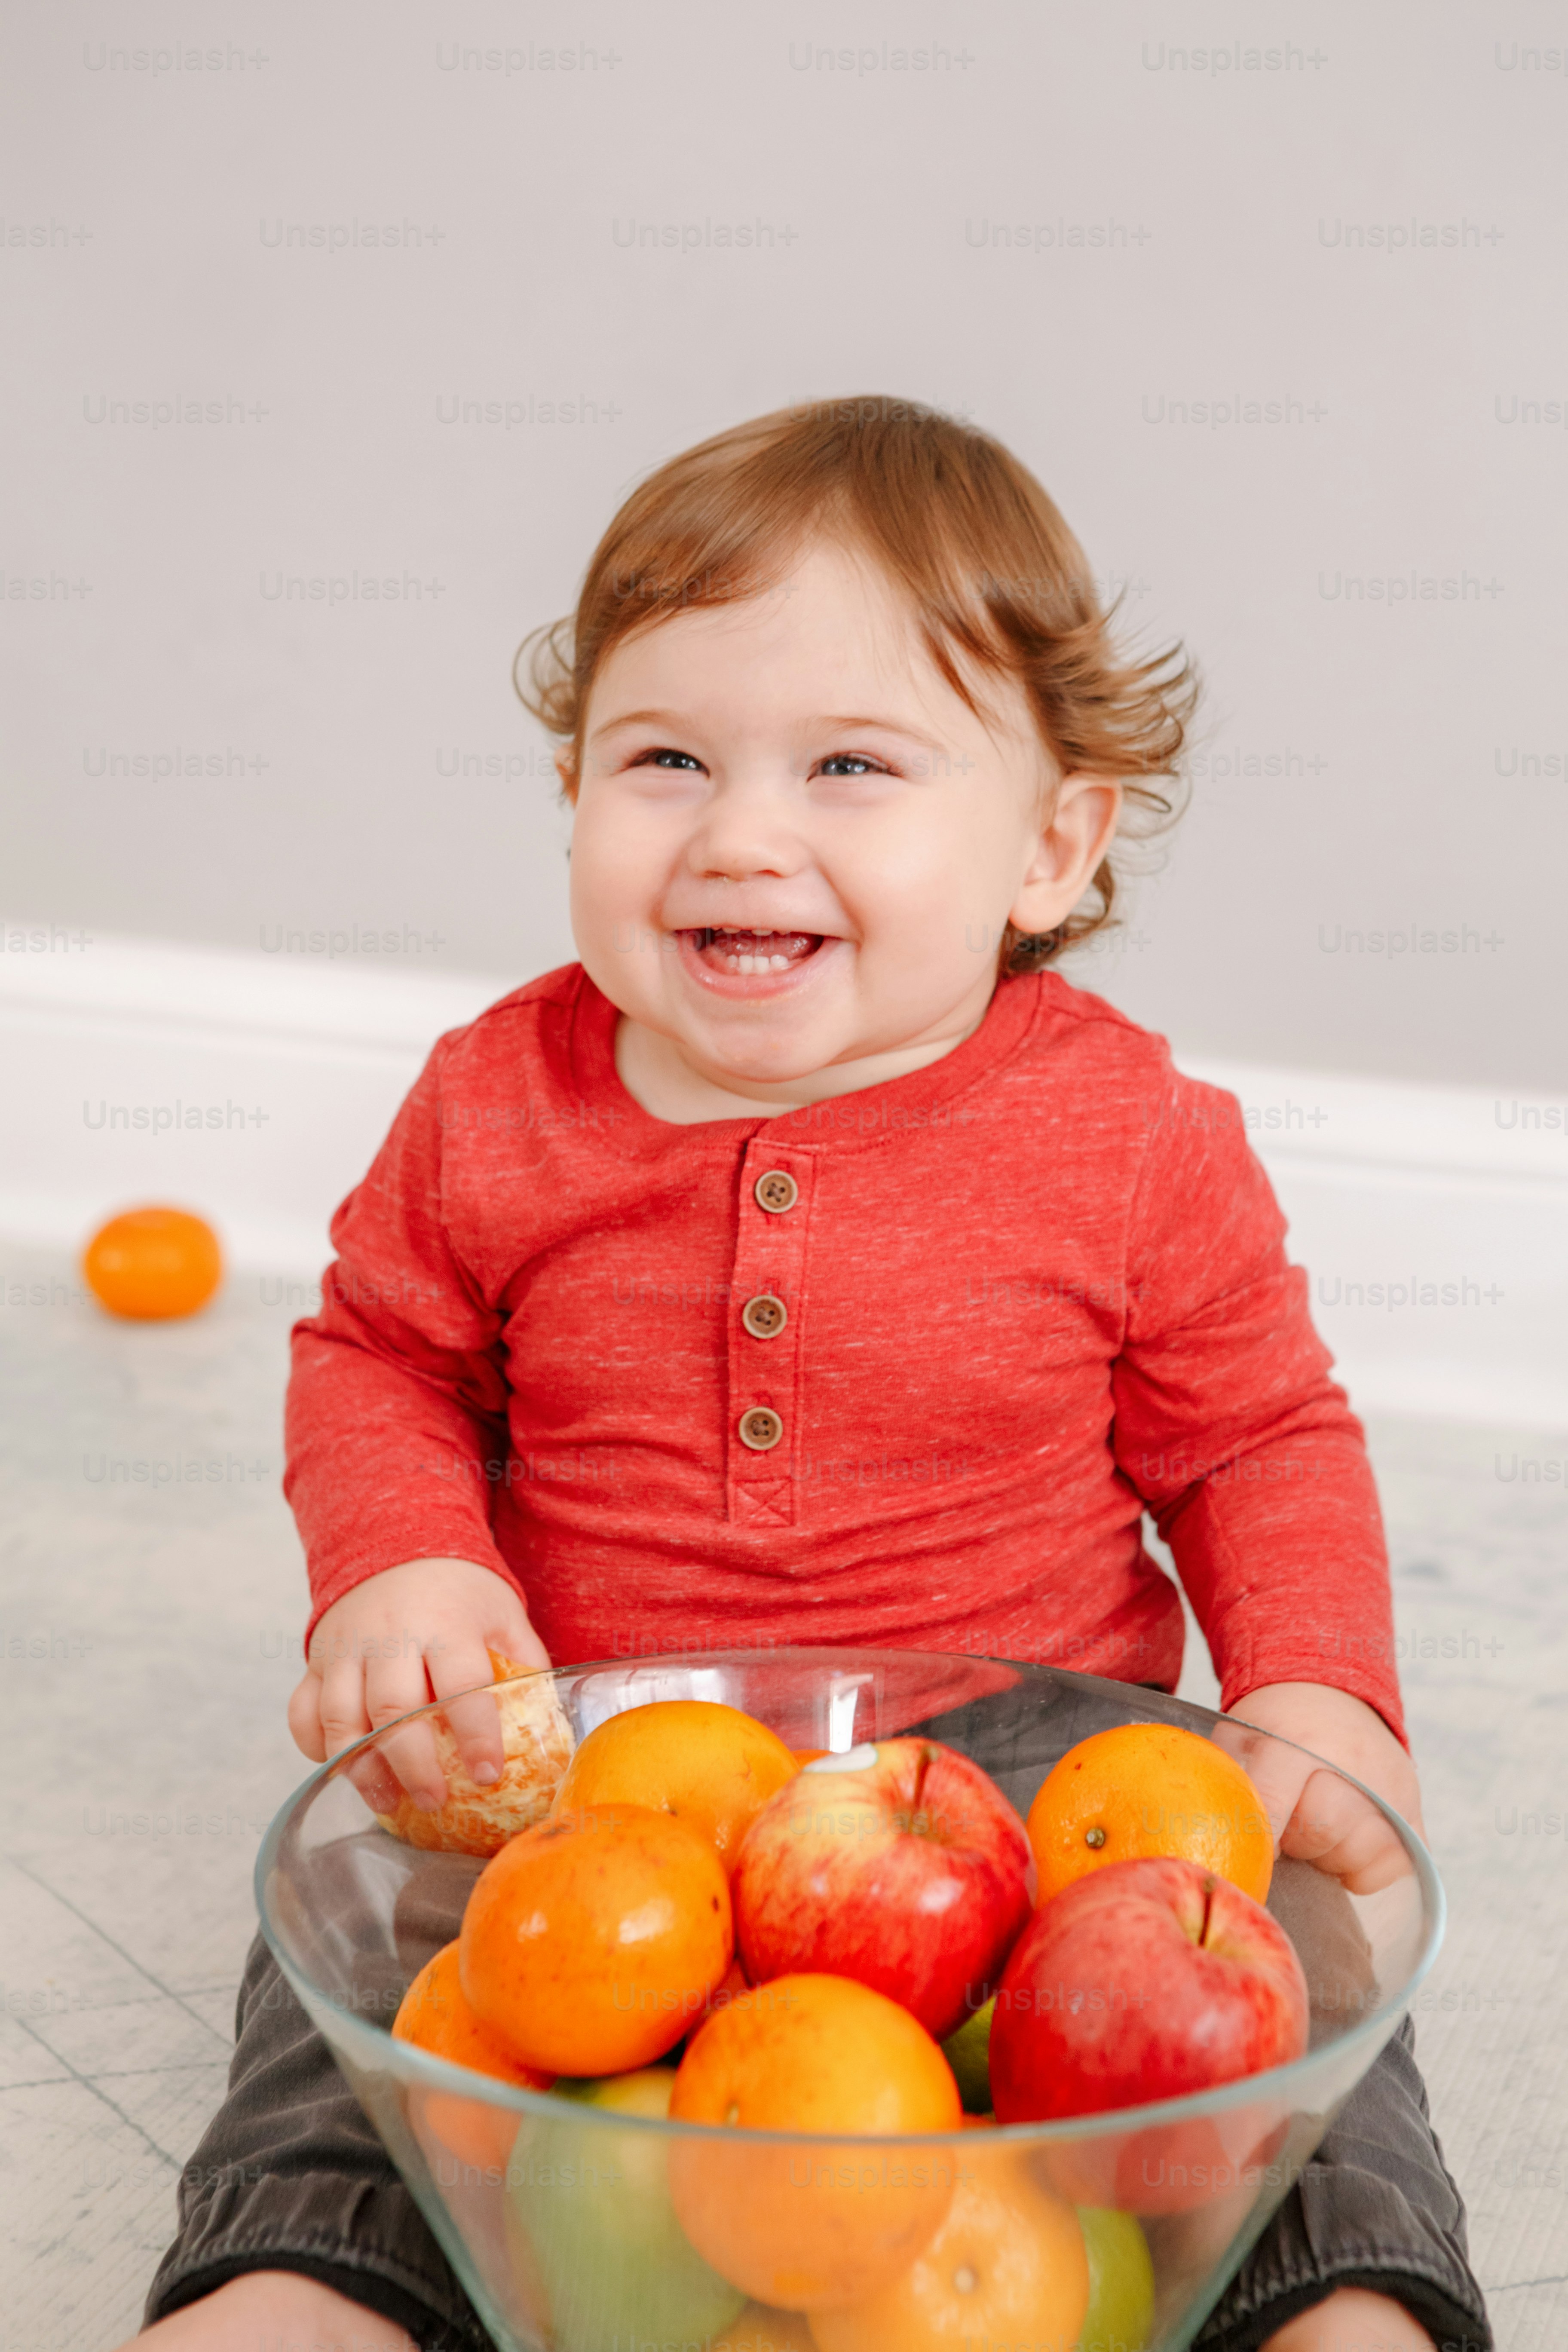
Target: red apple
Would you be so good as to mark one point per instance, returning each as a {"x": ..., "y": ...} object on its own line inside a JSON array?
[
  {"x": 1145, "y": 1980},
  {"x": 901, "y": 1865}
]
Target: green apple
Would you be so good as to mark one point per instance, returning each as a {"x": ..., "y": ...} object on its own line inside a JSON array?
[
  {"x": 968, "y": 2052},
  {"x": 591, "y": 2205},
  {"x": 1121, "y": 2282}
]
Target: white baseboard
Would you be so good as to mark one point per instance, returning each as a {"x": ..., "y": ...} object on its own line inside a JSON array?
[{"x": 1433, "y": 1220}]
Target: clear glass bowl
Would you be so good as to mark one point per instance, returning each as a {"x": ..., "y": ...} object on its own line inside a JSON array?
[{"x": 558, "y": 2216}]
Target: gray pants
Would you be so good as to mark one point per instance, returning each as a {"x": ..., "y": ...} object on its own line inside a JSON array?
[{"x": 290, "y": 2175}]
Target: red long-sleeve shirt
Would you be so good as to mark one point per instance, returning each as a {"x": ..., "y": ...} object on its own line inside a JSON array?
[{"x": 1029, "y": 1293}]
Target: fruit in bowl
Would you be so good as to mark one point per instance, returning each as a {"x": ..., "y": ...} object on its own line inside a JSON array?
[
  {"x": 1147, "y": 1981},
  {"x": 435, "y": 2015},
  {"x": 823, "y": 2193},
  {"x": 593, "y": 2210},
  {"x": 809, "y": 2226},
  {"x": 536, "y": 1745},
  {"x": 900, "y": 1865},
  {"x": 1141, "y": 1791},
  {"x": 708, "y": 1765},
  {"x": 1144, "y": 1981},
  {"x": 591, "y": 1943},
  {"x": 1008, "y": 2266},
  {"x": 1121, "y": 2314}
]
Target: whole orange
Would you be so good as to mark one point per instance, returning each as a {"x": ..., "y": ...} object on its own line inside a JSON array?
[
  {"x": 590, "y": 1942},
  {"x": 809, "y": 2221},
  {"x": 150, "y": 1262},
  {"x": 1008, "y": 2266},
  {"x": 706, "y": 1764},
  {"x": 434, "y": 2016},
  {"x": 1146, "y": 1789}
]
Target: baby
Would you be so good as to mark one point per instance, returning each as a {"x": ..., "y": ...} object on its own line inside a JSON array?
[{"x": 810, "y": 1263}]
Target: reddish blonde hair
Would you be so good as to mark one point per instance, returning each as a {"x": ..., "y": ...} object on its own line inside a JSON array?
[{"x": 965, "y": 534}]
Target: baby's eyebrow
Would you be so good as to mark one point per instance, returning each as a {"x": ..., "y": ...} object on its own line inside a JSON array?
[
  {"x": 671, "y": 718},
  {"x": 884, "y": 726},
  {"x": 678, "y": 722}
]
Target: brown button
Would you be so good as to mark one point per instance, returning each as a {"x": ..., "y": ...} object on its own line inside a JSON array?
[
  {"x": 760, "y": 1428},
  {"x": 764, "y": 1316},
  {"x": 776, "y": 1192}
]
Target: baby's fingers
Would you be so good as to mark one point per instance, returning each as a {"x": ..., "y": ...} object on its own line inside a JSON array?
[
  {"x": 344, "y": 1719},
  {"x": 396, "y": 1687},
  {"x": 370, "y": 1775},
  {"x": 305, "y": 1716},
  {"x": 475, "y": 1720},
  {"x": 1340, "y": 1831}
]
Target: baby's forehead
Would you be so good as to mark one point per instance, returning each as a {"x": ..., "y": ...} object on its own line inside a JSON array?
[{"x": 823, "y": 620}]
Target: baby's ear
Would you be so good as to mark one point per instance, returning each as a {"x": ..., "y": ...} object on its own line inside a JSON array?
[{"x": 1080, "y": 826}]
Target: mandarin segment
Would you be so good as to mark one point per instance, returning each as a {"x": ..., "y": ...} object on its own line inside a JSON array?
[
  {"x": 1145, "y": 1790},
  {"x": 590, "y": 1942},
  {"x": 705, "y": 1763}
]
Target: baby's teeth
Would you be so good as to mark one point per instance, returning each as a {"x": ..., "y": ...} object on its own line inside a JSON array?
[
  {"x": 732, "y": 964},
  {"x": 778, "y": 963}
]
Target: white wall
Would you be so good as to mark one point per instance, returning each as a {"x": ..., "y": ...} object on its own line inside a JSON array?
[
  {"x": 1404, "y": 732},
  {"x": 1433, "y": 1222}
]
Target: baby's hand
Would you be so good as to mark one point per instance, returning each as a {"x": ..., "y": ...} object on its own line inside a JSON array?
[
  {"x": 414, "y": 1632},
  {"x": 1314, "y": 1816}
]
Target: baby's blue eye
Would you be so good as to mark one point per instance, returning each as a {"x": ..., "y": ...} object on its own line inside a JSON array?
[
  {"x": 849, "y": 763},
  {"x": 667, "y": 758}
]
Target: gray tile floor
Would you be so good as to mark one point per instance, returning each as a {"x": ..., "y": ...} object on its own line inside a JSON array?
[{"x": 152, "y": 1600}]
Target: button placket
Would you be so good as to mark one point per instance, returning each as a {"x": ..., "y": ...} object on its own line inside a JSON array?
[{"x": 765, "y": 1330}]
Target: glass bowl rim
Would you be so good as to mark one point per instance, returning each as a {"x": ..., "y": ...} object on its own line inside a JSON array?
[{"x": 1275, "y": 2084}]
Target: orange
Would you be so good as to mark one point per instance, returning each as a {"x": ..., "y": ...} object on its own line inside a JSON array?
[
  {"x": 1008, "y": 2266},
  {"x": 150, "y": 1263},
  {"x": 434, "y": 2016},
  {"x": 812, "y": 2220},
  {"x": 707, "y": 1764},
  {"x": 1145, "y": 1788},
  {"x": 590, "y": 1942}
]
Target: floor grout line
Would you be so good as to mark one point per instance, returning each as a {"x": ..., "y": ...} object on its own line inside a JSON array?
[
  {"x": 154, "y": 2073},
  {"x": 75, "y": 1909},
  {"x": 87, "y": 2083}
]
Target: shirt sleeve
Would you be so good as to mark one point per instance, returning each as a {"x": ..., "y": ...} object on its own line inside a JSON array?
[
  {"x": 1241, "y": 1446},
  {"x": 396, "y": 1423}
]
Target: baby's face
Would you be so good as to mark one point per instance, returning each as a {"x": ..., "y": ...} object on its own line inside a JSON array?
[{"x": 796, "y": 846}]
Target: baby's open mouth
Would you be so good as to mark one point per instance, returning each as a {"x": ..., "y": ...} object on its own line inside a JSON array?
[{"x": 754, "y": 952}]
